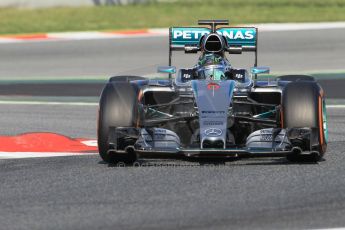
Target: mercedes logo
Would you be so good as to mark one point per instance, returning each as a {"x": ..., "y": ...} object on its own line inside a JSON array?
[{"x": 213, "y": 132}]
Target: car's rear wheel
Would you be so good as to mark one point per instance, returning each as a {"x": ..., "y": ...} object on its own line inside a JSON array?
[
  {"x": 117, "y": 108},
  {"x": 295, "y": 78},
  {"x": 125, "y": 78},
  {"x": 303, "y": 105}
]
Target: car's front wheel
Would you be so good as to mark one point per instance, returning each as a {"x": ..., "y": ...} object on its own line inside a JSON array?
[
  {"x": 117, "y": 108},
  {"x": 303, "y": 106}
]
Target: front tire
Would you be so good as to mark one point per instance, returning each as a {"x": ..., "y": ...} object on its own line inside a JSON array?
[
  {"x": 303, "y": 105},
  {"x": 117, "y": 108}
]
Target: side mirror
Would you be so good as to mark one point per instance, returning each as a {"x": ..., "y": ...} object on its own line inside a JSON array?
[
  {"x": 166, "y": 69},
  {"x": 260, "y": 70}
]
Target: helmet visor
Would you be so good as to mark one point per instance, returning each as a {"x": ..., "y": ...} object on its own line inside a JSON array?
[{"x": 213, "y": 73}]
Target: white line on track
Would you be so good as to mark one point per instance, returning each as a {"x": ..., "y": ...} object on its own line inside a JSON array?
[
  {"x": 299, "y": 26},
  {"x": 330, "y": 228},
  {"x": 335, "y": 106}
]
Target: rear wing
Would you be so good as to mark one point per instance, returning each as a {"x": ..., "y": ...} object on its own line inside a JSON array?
[{"x": 240, "y": 39}]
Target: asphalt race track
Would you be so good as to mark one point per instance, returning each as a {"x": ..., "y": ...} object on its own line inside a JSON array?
[
  {"x": 283, "y": 51},
  {"x": 334, "y": 89},
  {"x": 82, "y": 192}
]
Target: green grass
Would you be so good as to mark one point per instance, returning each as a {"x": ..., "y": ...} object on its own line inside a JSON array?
[{"x": 166, "y": 14}]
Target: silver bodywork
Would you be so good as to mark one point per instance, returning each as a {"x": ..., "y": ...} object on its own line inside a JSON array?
[
  {"x": 213, "y": 100},
  {"x": 213, "y": 108}
]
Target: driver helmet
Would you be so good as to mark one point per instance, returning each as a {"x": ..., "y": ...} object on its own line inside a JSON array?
[{"x": 212, "y": 67}]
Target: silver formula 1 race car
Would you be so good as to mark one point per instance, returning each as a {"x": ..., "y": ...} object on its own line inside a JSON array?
[{"x": 212, "y": 110}]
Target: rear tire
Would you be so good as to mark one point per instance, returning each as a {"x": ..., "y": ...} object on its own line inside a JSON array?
[
  {"x": 303, "y": 106},
  {"x": 117, "y": 108},
  {"x": 125, "y": 78},
  {"x": 294, "y": 78}
]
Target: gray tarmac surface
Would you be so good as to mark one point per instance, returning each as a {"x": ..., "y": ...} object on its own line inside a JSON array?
[
  {"x": 333, "y": 88},
  {"x": 84, "y": 193},
  {"x": 72, "y": 121},
  {"x": 283, "y": 51}
]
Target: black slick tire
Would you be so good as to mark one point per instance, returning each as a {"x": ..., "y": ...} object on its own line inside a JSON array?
[
  {"x": 117, "y": 108},
  {"x": 303, "y": 106},
  {"x": 294, "y": 78},
  {"x": 125, "y": 78}
]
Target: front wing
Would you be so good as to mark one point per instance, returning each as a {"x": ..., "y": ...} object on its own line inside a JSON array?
[{"x": 163, "y": 143}]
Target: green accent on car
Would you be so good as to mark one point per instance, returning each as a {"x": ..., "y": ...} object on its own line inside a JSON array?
[
  {"x": 265, "y": 114},
  {"x": 218, "y": 75},
  {"x": 167, "y": 69},
  {"x": 195, "y": 88},
  {"x": 231, "y": 88},
  {"x": 210, "y": 59},
  {"x": 235, "y": 36},
  {"x": 260, "y": 70}
]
